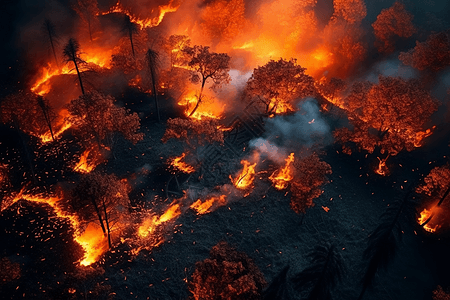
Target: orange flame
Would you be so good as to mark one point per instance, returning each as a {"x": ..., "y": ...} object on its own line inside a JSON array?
[
  {"x": 382, "y": 168},
  {"x": 424, "y": 215},
  {"x": 147, "y": 22},
  {"x": 149, "y": 224},
  {"x": 84, "y": 166},
  {"x": 245, "y": 179},
  {"x": 92, "y": 240},
  {"x": 181, "y": 165},
  {"x": 61, "y": 126},
  {"x": 421, "y": 135},
  {"x": 207, "y": 108},
  {"x": 94, "y": 243},
  {"x": 283, "y": 176},
  {"x": 205, "y": 207}
]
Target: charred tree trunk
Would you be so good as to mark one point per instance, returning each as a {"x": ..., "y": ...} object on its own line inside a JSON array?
[
  {"x": 199, "y": 98},
  {"x": 131, "y": 42},
  {"x": 50, "y": 29},
  {"x": 45, "y": 111},
  {"x": 79, "y": 77},
  {"x": 108, "y": 229},
  {"x": 99, "y": 215}
]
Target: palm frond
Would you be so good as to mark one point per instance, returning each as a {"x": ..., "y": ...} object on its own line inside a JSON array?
[{"x": 277, "y": 290}]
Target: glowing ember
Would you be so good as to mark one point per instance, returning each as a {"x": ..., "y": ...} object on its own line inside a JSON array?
[
  {"x": 424, "y": 216},
  {"x": 281, "y": 178},
  {"x": 206, "y": 206},
  {"x": 181, "y": 165},
  {"x": 245, "y": 179},
  {"x": 382, "y": 168},
  {"x": 147, "y": 22}
]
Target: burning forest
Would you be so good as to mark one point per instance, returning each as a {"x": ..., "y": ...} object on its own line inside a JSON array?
[{"x": 225, "y": 149}]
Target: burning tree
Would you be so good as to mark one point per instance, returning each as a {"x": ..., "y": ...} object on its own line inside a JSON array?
[
  {"x": 95, "y": 117},
  {"x": 277, "y": 84},
  {"x": 72, "y": 54},
  {"x": 353, "y": 11},
  {"x": 435, "y": 189},
  {"x": 100, "y": 196},
  {"x": 175, "y": 45},
  {"x": 392, "y": 22},
  {"x": 390, "y": 115},
  {"x": 433, "y": 54},
  {"x": 206, "y": 65},
  {"x": 88, "y": 12},
  {"x": 226, "y": 274},
  {"x": 27, "y": 112},
  {"x": 311, "y": 175}
]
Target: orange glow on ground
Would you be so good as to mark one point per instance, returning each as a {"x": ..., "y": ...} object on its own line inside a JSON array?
[
  {"x": 181, "y": 165},
  {"x": 92, "y": 240},
  {"x": 205, "y": 207},
  {"x": 244, "y": 180},
  {"x": 94, "y": 243},
  {"x": 424, "y": 215},
  {"x": 281, "y": 178}
]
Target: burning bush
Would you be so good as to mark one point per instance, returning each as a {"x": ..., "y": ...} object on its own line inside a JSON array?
[
  {"x": 226, "y": 274},
  {"x": 310, "y": 177}
]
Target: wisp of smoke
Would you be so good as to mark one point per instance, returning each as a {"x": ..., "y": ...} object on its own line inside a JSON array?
[{"x": 305, "y": 128}]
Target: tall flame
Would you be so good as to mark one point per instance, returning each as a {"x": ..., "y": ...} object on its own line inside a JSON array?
[
  {"x": 281, "y": 178},
  {"x": 150, "y": 223},
  {"x": 208, "y": 108},
  {"x": 85, "y": 165},
  {"x": 244, "y": 180}
]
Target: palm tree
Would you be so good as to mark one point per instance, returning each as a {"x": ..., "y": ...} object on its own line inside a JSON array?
[
  {"x": 325, "y": 271},
  {"x": 277, "y": 290},
  {"x": 49, "y": 29},
  {"x": 152, "y": 58},
  {"x": 72, "y": 54},
  {"x": 382, "y": 244},
  {"x": 129, "y": 28}
]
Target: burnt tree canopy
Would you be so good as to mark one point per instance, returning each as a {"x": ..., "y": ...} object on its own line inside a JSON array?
[
  {"x": 226, "y": 274},
  {"x": 278, "y": 84},
  {"x": 97, "y": 118},
  {"x": 391, "y": 23},
  {"x": 391, "y": 115}
]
